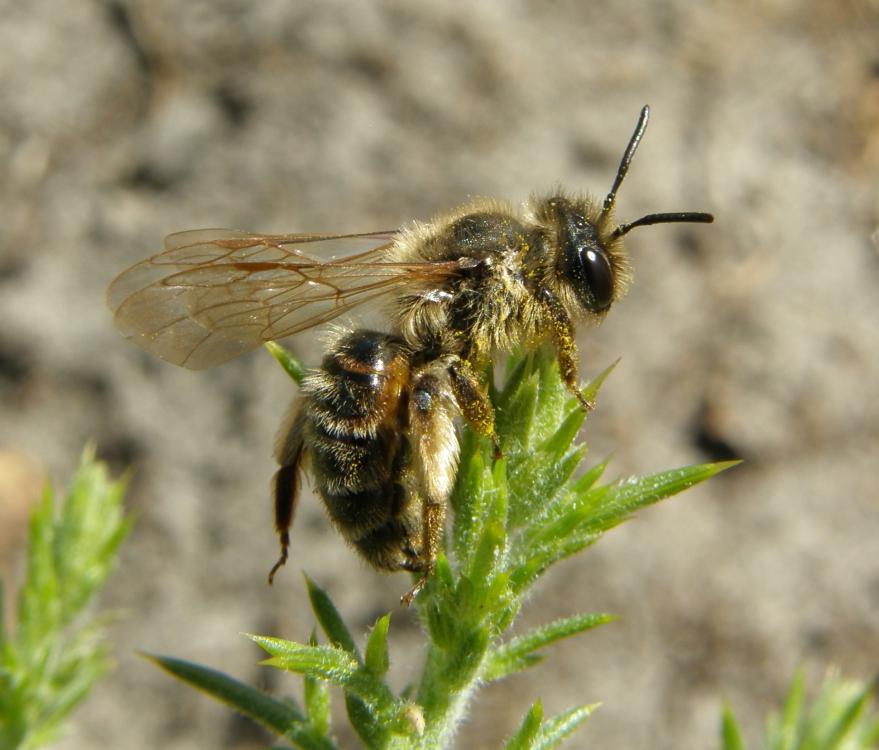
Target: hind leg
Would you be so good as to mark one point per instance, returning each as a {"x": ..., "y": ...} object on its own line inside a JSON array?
[
  {"x": 289, "y": 451},
  {"x": 434, "y": 462}
]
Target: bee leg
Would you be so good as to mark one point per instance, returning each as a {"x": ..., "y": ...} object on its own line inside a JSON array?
[
  {"x": 435, "y": 461},
  {"x": 473, "y": 402},
  {"x": 563, "y": 337},
  {"x": 285, "y": 485},
  {"x": 433, "y": 516},
  {"x": 409, "y": 596}
]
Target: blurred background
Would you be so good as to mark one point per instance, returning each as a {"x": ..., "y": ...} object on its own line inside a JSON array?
[{"x": 123, "y": 121}]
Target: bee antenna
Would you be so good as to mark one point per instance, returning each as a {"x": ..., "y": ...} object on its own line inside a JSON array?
[
  {"x": 627, "y": 158},
  {"x": 688, "y": 216}
]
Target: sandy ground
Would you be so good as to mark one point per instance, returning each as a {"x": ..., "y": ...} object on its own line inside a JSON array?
[{"x": 123, "y": 121}]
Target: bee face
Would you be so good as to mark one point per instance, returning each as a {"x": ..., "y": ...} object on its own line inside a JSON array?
[
  {"x": 590, "y": 261},
  {"x": 375, "y": 424}
]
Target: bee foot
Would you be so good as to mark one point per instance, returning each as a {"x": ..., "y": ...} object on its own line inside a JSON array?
[
  {"x": 407, "y": 598},
  {"x": 585, "y": 403},
  {"x": 498, "y": 453},
  {"x": 277, "y": 566}
]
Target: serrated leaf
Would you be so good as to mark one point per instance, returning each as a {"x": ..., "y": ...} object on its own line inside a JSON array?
[
  {"x": 337, "y": 666},
  {"x": 536, "y": 483},
  {"x": 487, "y": 555},
  {"x": 440, "y": 623},
  {"x": 839, "y": 718},
  {"x": 558, "y": 532},
  {"x": 498, "y": 599},
  {"x": 3, "y": 641},
  {"x": 469, "y": 499},
  {"x": 590, "y": 391},
  {"x": 376, "y": 659},
  {"x": 517, "y": 368},
  {"x": 500, "y": 497},
  {"x": 782, "y": 731},
  {"x": 497, "y": 670},
  {"x": 274, "y": 715},
  {"x": 53, "y": 655},
  {"x": 560, "y": 441},
  {"x": 549, "y": 407},
  {"x": 622, "y": 498},
  {"x": 292, "y": 366},
  {"x": 841, "y": 721},
  {"x": 540, "y": 557},
  {"x": 584, "y": 482},
  {"x": 524, "y": 736},
  {"x": 88, "y": 532},
  {"x": 555, "y": 730},
  {"x": 480, "y": 533},
  {"x": 39, "y": 606},
  {"x": 365, "y": 723},
  {"x": 329, "y": 663},
  {"x": 730, "y": 735},
  {"x": 464, "y": 662},
  {"x": 515, "y": 417},
  {"x": 281, "y": 717},
  {"x": 464, "y": 595},
  {"x": 600, "y": 509},
  {"x": 330, "y": 620},
  {"x": 512, "y": 656},
  {"x": 442, "y": 572},
  {"x": 316, "y": 698},
  {"x": 508, "y": 605},
  {"x": 382, "y": 726}
]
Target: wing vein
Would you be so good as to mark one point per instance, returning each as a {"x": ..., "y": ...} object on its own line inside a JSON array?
[{"x": 214, "y": 294}]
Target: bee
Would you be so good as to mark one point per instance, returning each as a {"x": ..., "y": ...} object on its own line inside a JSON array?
[{"x": 376, "y": 423}]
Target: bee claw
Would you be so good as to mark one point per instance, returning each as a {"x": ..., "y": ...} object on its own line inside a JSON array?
[
  {"x": 585, "y": 403},
  {"x": 498, "y": 452},
  {"x": 409, "y": 596},
  {"x": 277, "y": 566}
]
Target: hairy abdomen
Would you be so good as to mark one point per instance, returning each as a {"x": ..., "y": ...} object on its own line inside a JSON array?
[{"x": 354, "y": 428}]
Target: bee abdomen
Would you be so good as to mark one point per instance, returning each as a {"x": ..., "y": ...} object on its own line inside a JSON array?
[
  {"x": 354, "y": 409},
  {"x": 355, "y": 433}
]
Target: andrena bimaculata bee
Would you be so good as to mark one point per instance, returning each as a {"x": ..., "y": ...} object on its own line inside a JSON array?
[{"x": 376, "y": 422}]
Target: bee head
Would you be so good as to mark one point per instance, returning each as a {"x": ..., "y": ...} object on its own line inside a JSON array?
[{"x": 590, "y": 259}]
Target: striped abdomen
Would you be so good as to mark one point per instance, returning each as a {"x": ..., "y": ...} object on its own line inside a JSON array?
[{"x": 353, "y": 426}]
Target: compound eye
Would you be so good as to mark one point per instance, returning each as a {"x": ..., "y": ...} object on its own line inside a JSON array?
[{"x": 599, "y": 278}]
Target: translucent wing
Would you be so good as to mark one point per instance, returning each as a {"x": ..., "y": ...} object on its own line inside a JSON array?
[{"x": 214, "y": 294}]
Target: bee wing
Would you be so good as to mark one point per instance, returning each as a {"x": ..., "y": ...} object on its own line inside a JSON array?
[{"x": 214, "y": 294}]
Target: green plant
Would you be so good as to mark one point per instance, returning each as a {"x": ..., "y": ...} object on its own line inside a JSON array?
[
  {"x": 513, "y": 519},
  {"x": 54, "y": 652},
  {"x": 839, "y": 718}
]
